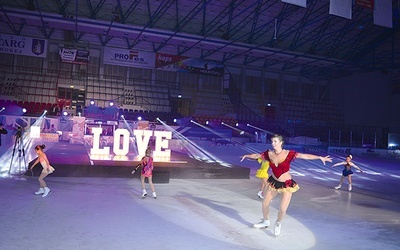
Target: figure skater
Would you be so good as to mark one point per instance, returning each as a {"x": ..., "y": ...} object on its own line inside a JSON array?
[
  {"x": 262, "y": 174},
  {"x": 347, "y": 171},
  {"x": 147, "y": 171},
  {"x": 280, "y": 181},
  {"x": 47, "y": 169}
]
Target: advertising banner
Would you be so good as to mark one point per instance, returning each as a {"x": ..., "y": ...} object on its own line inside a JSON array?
[
  {"x": 129, "y": 58},
  {"x": 169, "y": 62},
  {"x": 21, "y": 45},
  {"x": 188, "y": 65},
  {"x": 368, "y": 4},
  {"x": 74, "y": 56}
]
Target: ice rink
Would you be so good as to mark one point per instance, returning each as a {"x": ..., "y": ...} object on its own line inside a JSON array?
[{"x": 108, "y": 213}]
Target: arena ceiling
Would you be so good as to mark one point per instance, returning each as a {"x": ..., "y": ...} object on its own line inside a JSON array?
[{"x": 260, "y": 33}]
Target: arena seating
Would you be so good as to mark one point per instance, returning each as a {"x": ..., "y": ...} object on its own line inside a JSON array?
[{"x": 14, "y": 107}]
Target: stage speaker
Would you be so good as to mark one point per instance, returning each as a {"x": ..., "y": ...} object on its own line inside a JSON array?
[{"x": 160, "y": 176}]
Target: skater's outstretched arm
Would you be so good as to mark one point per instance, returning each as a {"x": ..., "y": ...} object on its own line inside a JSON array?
[
  {"x": 356, "y": 167},
  {"x": 338, "y": 164},
  {"x": 251, "y": 156},
  {"x": 136, "y": 168},
  {"x": 324, "y": 159}
]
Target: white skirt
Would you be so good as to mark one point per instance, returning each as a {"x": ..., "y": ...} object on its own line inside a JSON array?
[{"x": 51, "y": 170}]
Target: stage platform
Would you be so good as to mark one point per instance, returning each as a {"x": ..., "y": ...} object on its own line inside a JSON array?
[{"x": 72, "y": 160}]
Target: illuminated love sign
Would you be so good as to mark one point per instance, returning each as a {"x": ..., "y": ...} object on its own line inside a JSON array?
[{"x": 142, "y": 140}]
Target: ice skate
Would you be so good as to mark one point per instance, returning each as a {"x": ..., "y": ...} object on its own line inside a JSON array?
[
  {"x": 40, "y": 191},
  {"x": 144, "y": 194},
  {"x": 260, "y": 195},
  {"x": 154, "y": 195},
  {"x": 338, "y": 187},
  {"x": 47, "y": 191},
  {"x": 350, "y": 187},
  {"x": 277, "y": 229},
  {"x": 262, "y": 224}
]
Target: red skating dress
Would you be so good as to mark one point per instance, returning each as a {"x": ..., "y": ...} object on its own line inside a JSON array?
[
  {"x": 283, "y": 167},
  {"x": 147, "y": 166}
]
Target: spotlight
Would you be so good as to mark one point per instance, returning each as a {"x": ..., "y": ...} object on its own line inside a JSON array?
[
  {"x": 24, "y": 110},
  {"x": 237, "y": 124},
  {"x": 175, "y": 120},
  {"x": 3, "y": 108},
  {"x": 179, "y": 96},
  {"x": 111, "y": 104},
  {"x": 222, "y": 123},
  {"x": 122, "y": 116},
  {"x": 207, "y": 122},
  {"x": 139, "y": 118},
  {"x": 65, "y": 113},
  {"x": 45, "y": 111},
  {"x": 242, "y": 133},
  {"x": 91, "y": 102}
]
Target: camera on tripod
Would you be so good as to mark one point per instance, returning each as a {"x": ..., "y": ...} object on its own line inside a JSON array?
[
  {"x": 19, "y": 146},
  {"x": 18, "y": 134}
]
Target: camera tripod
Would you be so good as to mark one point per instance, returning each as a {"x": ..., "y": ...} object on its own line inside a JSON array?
[{"x": 18, "y": 145}]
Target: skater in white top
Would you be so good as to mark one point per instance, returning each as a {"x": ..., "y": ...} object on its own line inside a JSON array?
[{"x": 47, "y": 169}]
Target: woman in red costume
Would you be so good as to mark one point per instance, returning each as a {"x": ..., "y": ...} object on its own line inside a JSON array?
[{"x": 280, "y": 181}]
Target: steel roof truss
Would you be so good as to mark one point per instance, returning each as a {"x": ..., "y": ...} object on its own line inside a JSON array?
[
  {"x": 204, "y": 32},
  {"x": 62, "y": 6},
  {"x": 209, "y": 28},
  {"x": 232, "y": 41},
  {"x": 159, "y": 12},
  {"x": 16, "y": 30},
  {"x": 287, "y": 10},
  {"x": 309, "y": 16},
  {"x": 124, "y": 15},
  {"x": 45, "y": 25},
  {"x": 338, "y": 36},
  {"x": 193, "y": 13},
  {"x": 94, "y": 10}
]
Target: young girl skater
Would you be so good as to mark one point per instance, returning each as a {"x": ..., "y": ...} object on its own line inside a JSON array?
[
  {"x": 346, "y": 171},
  {"x": 47, "y": 169},
  {"x": 262, "y": 174},
  {"x": 147, "y": 171}
]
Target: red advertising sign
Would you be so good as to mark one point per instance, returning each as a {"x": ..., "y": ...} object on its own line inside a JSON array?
[
  {"x": 368, "y": 4},
  {"x": 188, "y": 64}
]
